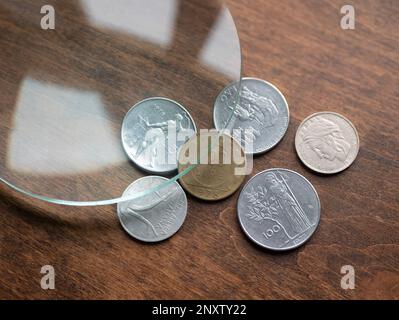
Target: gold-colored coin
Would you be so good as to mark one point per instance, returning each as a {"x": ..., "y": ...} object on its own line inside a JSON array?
[{"x": 220, "y": 166}]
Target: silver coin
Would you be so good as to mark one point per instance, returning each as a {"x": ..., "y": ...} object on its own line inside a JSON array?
[
  {"x": 279, "y": 209},
  {"x": 153, "y": 131},
  {"x": 259, "y": 121},
  {"x": 327, "y": 142},
  {"x": 156, "y": 216}
]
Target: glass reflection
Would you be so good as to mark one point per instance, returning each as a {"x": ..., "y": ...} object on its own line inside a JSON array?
[
  {"x": 66, "y": 91},
  {"x": 217, "y": 52},
  {"x": 59, "y": 130},
  {"x": 152, "y": 22}
]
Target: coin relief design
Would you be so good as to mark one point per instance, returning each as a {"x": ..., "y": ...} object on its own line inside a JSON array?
[
  {"x": 213, "y": 181},
  {"x": 152, "y": 132},
  {"x": 327, "y": 142},
  {"x": 154, "y": 217},
  {"x": 279, "y": 209},
  {"x": 260, "y": 119}
]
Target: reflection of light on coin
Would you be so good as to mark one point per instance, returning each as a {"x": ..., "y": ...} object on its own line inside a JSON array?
[
  {"x": 152, "y": 132},
  {"x": 208, "y": 180},
  {"x": 260, "y": 119}
]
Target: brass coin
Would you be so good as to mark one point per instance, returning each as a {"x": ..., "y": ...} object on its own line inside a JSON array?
[{"x": 220, "y": 166}]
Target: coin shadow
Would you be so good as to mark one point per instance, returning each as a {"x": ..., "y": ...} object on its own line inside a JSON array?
[
  {"x": 236, "y": 193},
  {"x": 146, "y": 243},
  {"x": 168, "y": 175},
  {"x": 280, "y": 253}
]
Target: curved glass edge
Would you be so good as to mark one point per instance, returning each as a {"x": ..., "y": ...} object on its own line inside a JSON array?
[
  {"x": 100, "y": 202},
  {"x": 145, "y": 193}
]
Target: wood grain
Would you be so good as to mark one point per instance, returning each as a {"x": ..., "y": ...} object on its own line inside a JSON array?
[{"x": 300, "y": 47}]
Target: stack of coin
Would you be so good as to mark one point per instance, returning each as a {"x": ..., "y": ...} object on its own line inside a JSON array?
[{"x": 278, "y": 209}]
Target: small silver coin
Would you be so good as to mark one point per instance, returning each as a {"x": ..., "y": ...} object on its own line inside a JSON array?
[
  {"x": 153, "y": 131},
  {"x": 279, "y": 209},
  {"x": 261, "y": 118},
  {"x": 327, "y": 142},
  {"x": 156, "y": 216}
]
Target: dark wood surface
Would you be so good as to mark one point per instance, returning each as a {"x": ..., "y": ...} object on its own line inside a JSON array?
[{"x": 300, "y": 47}]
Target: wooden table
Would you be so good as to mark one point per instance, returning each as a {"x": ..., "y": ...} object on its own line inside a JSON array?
[{"x": 300, "y": 47}]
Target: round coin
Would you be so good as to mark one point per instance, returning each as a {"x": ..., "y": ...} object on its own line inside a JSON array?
[
  {"x": 279, "y": 209},
  {"x": 327, "y": 142},
  {"x": 220, "y": 166},
  {"x": 259, "y": 121},
  {"x": 156, "y": 216},
  {"x": 153, "y": 131}
]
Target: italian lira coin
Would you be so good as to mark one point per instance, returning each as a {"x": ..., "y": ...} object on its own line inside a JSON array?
[
  {"x": 257, "y": 115},
  {"x": 156, "y": 216},
  {"x": 218, "y": 165},
  {"x": 279, "y": 209},
  {"x": 153, "y": 131},
  {"x": 327, "y": 142}
]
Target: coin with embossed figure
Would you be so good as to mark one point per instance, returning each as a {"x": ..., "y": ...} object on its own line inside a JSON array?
[
  {"x": 279, "y": 209},
  {"x": 327, "y": 142},
  {"x": 258, "y": 117},
  {"x": 156, "y": 216},
  {"x": 153, "y": 131},
  {"x": 220, "y": 166}
]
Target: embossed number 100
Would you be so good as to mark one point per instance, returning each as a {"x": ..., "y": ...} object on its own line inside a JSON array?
[{"x": 270, "y": 232}]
